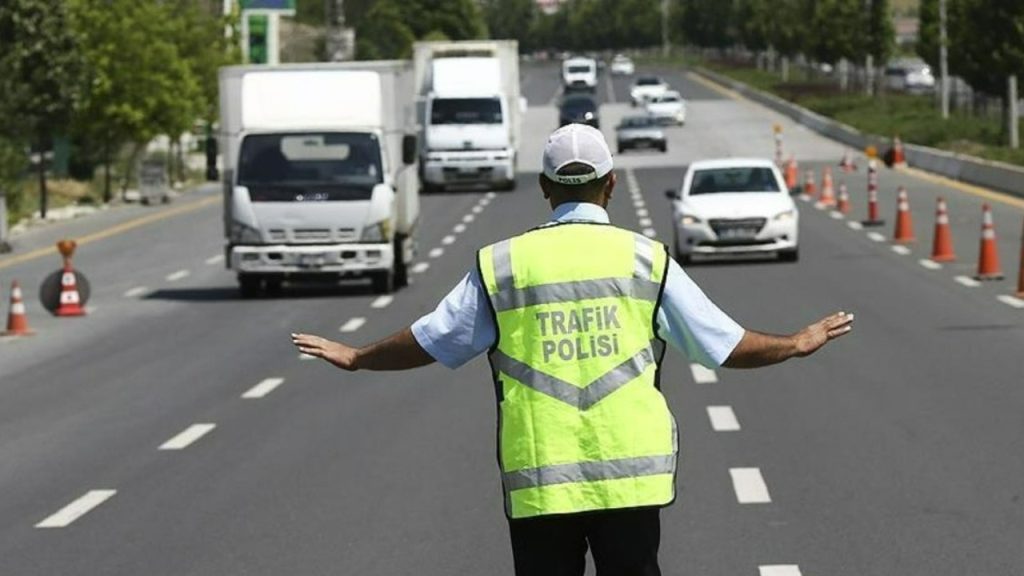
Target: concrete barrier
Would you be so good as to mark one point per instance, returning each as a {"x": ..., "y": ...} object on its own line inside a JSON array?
[{"x": 970, "y": 169}]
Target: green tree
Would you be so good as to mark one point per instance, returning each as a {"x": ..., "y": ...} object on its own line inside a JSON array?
[
  {"x": 836, "y": 30},
  {"x": 881, "y": 36},
  {"x": 384, "y": 33},
  {"x": 511, "y": 19},
  {"x": 40, "y": 75},
  {"x": 390, "y": 27},
  {"x": 928, "y": 34}
]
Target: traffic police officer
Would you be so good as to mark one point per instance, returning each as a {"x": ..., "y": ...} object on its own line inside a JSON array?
[{"x": 574, "y": 315}]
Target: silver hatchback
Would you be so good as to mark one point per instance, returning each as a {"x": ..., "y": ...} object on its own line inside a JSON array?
[{"x": 640, "y": 132}]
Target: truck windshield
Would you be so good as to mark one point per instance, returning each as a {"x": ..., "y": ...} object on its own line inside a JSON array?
[
  {"x": 580, "y": 69},
  {"x": 310, "y": 166},
  {"x": 465, "y": 111}
]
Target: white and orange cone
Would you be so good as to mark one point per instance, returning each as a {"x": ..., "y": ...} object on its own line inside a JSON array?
[
  {"x": 873, "y": 212},
  {"x": 988, "y": 259},
  {"x": 791, "y": 174},
  {"x": 942, "y": 241},
  {"x": 843, "y": 205},
  {"x": 70, "y": 298},
  {"x": 846, "y": 164},
  {"x": 904, "y": 232},
  {"x": 17, "y": 319},
  {"x": 827, "y": 197},
  {"x": 810, "y": 188}
]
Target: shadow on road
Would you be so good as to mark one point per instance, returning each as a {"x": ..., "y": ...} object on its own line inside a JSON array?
[{"x": 286, "y": 292}]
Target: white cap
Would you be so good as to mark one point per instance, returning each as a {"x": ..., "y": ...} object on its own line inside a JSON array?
[{"x": 576, "y": 144}]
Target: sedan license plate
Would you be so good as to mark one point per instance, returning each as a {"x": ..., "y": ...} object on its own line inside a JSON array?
[
  {"x": 738, "y": 233},
  {"x": 311, "y": 260}
]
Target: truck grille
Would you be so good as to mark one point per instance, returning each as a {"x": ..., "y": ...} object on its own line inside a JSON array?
[{"x": 311, "y": 234}]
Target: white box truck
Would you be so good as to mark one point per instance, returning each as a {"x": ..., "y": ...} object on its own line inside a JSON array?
[
  {"x": 318, "y": 176},
  {"x": 470, "y": 112}
]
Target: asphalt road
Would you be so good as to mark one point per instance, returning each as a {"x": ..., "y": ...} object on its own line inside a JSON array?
[{"x": 895, "y": 451}]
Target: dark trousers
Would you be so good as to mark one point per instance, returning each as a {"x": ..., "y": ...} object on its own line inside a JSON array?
[{"x": 622, "y": 542}]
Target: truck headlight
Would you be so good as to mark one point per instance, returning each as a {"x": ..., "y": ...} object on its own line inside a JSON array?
[
  {"x": 379, "y": 232},
  {"x": 785, "y": 216},
  {"x": 243, "y": 234}
]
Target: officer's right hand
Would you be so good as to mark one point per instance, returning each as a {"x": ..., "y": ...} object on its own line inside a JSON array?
[{"x": 336, "y": 353}]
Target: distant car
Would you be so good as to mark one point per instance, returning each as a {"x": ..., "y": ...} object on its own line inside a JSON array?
[
  {"x": 645, "y": 88},
  {"x": 579, "y": 73},
  {"x": 669, "y": 108},
  {"x": 622, "y": 66},
  {"x": 910, "y": 75},
  {"x": 734, "y": 206},
  {"x": 639, "y": 132},
  {"x": 579, "y": 109}
]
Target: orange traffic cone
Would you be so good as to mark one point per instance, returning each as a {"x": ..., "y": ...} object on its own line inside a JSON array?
[
  {"x": 898, "y": 156},
  {"x": 942, "y": 241},
  {"x": 988, "y": 259},
  {"x": 843, "y": 207},
  {"x": 791, "y": 174},
  {"x": 1020, "y": 275},
  {"x": 17, "y": 320},
  {"x": 846, "y": 164},
  {"x": 827, "y": 197},
  {"x": 873, "y": 217},
  {"x": 904, "y": 232},
  {"x": 810, "y": 187},
  {"x": 70, "y": 299}
]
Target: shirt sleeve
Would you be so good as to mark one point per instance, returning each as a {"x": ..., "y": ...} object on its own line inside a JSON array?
[
  {"x": 461, "y": 327},
  {"x": 691, "y": 323}
]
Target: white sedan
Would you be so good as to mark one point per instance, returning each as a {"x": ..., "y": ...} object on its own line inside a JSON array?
[
  {"x": 622, "y": 66},
  {"x": 669, "y": 108},
  {"x": 734, "y": 206},
  {"x": 645, "y": 88}
]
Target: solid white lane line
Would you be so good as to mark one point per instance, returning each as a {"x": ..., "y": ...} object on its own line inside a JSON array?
[
  {"x": 436, "y": 252},
  {"x": 382, "y": 301},
  {"x": 459, "y": 228},
  {"x": 175, "y": 276},
  {"x": 876, "y": 236},
  {"x": 967, "y": 281},
  {"x": 1011, "y": 300},
  {"x": 930, "y": 264},
  {"x": 478, "y": 209},
  {"x": 76, "y": 509},
  {"x": 468, "y": 218},
  {"x": 448, "y": 240},
  {"x": 854, "y": 225},
  {"x": 650, "y": 232},
  {"x": 263, "y": 388},
  {"x": 749, "y": 486},
  {"x": 723, "y": 419},
  {"x": 702, "y": 375},
  {"x": 137, "y": 291},
  {"x": 420, "y": 268},
  {"x": 901, "y": 250},
  {"x": 642, "y": 213},
  {"x": 779, "y": 570},
  {"x": 836, "y": 215},
  {"x": 352, "y": 325},
  {"x": 214, "y": 260},
  {"x": 187, "y": 436}
]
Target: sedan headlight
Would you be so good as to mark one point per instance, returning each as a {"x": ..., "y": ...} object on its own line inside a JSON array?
[
  {"x": 785, "y": 216},
  {"x": 243, "y": 234},
  {"x": 689, "y": 220},
  {"x": 379, "y": 232}
]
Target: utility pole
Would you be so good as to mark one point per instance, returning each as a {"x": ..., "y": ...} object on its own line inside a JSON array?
[
  {"x": 665, "y": 47},
  {"x": 943, "y": 61},
  {"x": 1011, "y": 112}
]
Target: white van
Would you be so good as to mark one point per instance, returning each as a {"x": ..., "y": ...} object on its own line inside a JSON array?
[{"x": 579, "y": 73}]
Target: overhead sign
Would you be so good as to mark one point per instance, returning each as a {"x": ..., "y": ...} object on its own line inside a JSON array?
[{"x": 270, "y": 5}]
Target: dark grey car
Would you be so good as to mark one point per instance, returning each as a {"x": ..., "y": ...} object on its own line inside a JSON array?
[{"x": 640, "y": 132}]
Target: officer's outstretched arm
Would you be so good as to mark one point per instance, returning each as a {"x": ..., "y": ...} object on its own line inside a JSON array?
[
  {"x": 757, "y": 349},
  {"x": 400, "y": 351}
]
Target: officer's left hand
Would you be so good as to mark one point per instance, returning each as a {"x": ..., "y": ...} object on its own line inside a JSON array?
[{"x": 336, "y": 353}]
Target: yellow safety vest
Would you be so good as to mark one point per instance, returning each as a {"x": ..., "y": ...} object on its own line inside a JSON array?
[{"x": 582, "y": 423}]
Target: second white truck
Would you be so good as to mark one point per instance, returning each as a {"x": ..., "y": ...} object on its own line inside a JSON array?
[{"x": 470, "y": 112}]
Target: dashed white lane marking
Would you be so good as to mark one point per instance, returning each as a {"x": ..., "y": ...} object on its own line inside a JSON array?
[
  {"x": 448, "y": 240},
  {"x": 436, "y": 252},
  {"x": 749, "y": 486},
  {"x": 650, "y": 232},
  {"x": 646, "y": 222},
  {"x": 352, "y": 325},
  {"x": 639, "y": 203},
  {"x": 91, "y": 309},
  {"x": 478, "y": 209},
  {"x": 76, "y": 509},
  {"x": 702, "y": 375},
  {"x": 854, "y": 225},
  {"x": 382, "y": 301},
  {"x": 484, "y": 201},
  {"x": 876, "y": 236},
  {"x": 214, "y": 260},
  {"x": 820, "y": 206},
  {"x": 304, "y": 356},
  {"x": 967, "y": 281},
  {"x": 491, "y": 195},
  {"x": 901, "y": 250},
  {"x": 779, "y": 570},
  {"x": 642, "y": 213},
  {"x": 263, "y": 388},
  {"x": 175, "y": 276},
  {"x": 723, "y": 419},
  {"x": 1011, "y": 300},
  {"x": 137, "y": 291},
  {"x": 459, "y": 228},
  {"x": 420, "y": 267},
  {"x": 188, "y": 436},
  {"x": 468, "y": 218},
  {"x": 837, "y": 216},
  {"x": 930, "y": 264}
]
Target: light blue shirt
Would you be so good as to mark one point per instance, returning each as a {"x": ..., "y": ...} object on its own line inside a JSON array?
[{"x": 462, "y": 327}]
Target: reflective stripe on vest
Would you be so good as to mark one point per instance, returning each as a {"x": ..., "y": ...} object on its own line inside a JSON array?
[{"x": 582, "y": 424}]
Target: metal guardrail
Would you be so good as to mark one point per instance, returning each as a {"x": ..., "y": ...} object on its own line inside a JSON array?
[{"x": 970, "y": 169}]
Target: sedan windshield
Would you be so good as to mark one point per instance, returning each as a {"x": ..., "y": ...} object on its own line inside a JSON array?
[
  {"x": 648, "y": 81},
  {"x": 741, "y": 179},
  {"x": 465, "y": 111},
  {"x": 637, "y": 122},
  {"x": 579, "y": 105}
]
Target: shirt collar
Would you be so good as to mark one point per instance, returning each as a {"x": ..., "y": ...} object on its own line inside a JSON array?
[{"x": 580, "y": 211}]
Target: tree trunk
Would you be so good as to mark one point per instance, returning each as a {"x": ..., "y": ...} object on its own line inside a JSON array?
[{"x": 43, "y": 196}]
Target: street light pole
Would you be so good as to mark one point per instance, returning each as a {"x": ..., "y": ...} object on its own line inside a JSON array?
[
  {"x": 943, "y": 60},
  {"x": 665, "y": 48}
]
